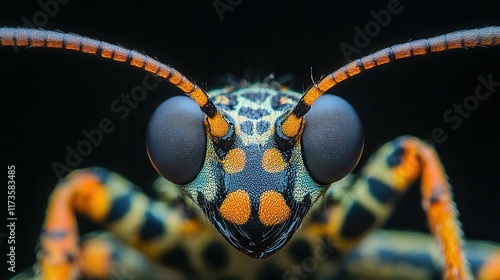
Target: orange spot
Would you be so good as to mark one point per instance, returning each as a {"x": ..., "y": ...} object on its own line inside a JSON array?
[
  {"x": 272, "y": 161},
  {"x": 236, "y": 207},
  {"x": 273, "y": 209},
  {"x": 234, "y": 161},
  {"x": 284, "y": 100},
  {"x": 221, "y": 99}
]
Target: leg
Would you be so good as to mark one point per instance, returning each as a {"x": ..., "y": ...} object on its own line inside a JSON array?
[
  {"x": 384, "y": 179},
  {"x": 409, "y": 255},
  {"x": 107, "y": 199},
  {"x": 104, "y": 257}
]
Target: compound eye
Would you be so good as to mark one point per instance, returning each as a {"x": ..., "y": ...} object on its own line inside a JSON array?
[
  {"x": 176, "y": 139},
  {"x": 332, "y": 140}
]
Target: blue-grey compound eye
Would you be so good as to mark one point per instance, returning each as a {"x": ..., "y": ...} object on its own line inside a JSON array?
[
  {"x": 176, "y": 139},
  {"x": 332, "y": 140}
]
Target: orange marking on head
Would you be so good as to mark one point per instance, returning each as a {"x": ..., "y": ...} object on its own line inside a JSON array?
[
  {"x": 284, "y": 100},
  {"x": 234, "y": 161},
  {"x": 273, "y": 209},
  {"x": 236, "y": 207},
  {"x": 221, "y": 99},
  {"x": 272, "y": 161}
]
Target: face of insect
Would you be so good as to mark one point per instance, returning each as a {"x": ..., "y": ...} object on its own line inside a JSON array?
[{"x": 254, "y": 184}]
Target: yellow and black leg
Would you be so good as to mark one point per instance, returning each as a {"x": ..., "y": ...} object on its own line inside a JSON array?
[
  {"x": 152, "y": 228},
  {"x": 386, "y": 177},
  {"x": 386, "y": 254}
]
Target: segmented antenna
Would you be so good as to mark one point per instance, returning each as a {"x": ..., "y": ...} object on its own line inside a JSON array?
[
  {"x": 481, "y": 37},
  {"x": 26, "y": 37}
]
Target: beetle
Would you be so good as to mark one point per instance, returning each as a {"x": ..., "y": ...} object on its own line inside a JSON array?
[{"x": 254, "y": 159}]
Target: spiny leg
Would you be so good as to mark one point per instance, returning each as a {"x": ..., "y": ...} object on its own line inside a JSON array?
[
  {"x": 107, "y": 199},
  {"x": 384, "y": 179}
]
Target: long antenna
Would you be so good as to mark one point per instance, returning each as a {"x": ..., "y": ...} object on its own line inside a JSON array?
[
  {"x": 26, "y": 37},
  {"x": 481, "y": 37}
]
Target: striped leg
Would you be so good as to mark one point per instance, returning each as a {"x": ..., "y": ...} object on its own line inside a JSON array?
[
  {"x": 409, "y": 255},
  {"x": 384, "y": 179},
  {"x": 107, "y": 199},
  {"x": 104, "y": 257}
]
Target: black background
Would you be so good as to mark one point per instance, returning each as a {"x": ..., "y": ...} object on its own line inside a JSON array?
[{"x": 49, "y": 97}]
